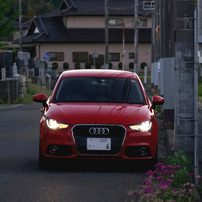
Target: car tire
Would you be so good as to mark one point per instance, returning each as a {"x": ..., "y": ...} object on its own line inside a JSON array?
[
  {"x": 154, "y": 161},
  {"x": 43, "y": 161},
  {"x": 149, "y": 164}
]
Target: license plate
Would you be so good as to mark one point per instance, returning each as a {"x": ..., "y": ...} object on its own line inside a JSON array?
[{"x": 98, "y": 143}]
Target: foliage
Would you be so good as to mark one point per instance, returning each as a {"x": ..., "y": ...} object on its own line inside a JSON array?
[
  {"x": 143, "y": 64},
  {"x": 32, "y": 89},
  {"x": 54, "y": 66},
  {"x": 200, "y": 91},
  {"x": 33, "y": 8},
  {"x": 98, "y": 65},
  {"x": 1, "y": 101},
  {"x": 170, "y": 181},
  {"x": 120, "y": 66},
  {"x": 87, "y": 65},
  {"x": 110, "y": 65},
  {"x": 131, "y": 65},
  {"x": 6, "y": 23},
  {"x": 65, "y": 65},
  {"x": 77, "y": 65},
  {"x": 15, "y": 52}
]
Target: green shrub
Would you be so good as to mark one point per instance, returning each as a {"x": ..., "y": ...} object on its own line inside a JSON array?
[
  {"x": 65, "y": 66},
  {"x": 131, "y": 65},
  {"x": 87, "y": 65},
  {"x": 110, "y": 65},
  {"x": 120, "y": 66},
  {"x": 143, "y": 64},
  {"x": 98, "y": 66},
  {"x": 54, "y": 66},
  {"x": 77, "y": 65}
]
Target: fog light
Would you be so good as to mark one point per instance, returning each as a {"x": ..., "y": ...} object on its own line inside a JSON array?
[
  {"x": 53, "y": 149},
  {"x": 143, "y": 151}
]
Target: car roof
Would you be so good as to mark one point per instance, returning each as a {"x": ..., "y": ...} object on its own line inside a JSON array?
[{"x": 99, "y": 73}]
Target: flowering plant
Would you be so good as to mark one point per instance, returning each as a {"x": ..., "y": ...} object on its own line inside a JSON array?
[{"x": 169, "y": 182}]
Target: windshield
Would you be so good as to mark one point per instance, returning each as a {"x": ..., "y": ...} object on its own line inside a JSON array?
[{"x": 97, "y": 89}]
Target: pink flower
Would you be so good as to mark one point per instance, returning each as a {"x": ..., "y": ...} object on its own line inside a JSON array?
[
  {"x": 191, "y": 174},
  {"x": 146, "y": 181},
  {"x": 177, "y": 166},
  {"x": 159, "y": 178},
  {"x": 159, "y": 164},
  {"x": 174, "y": 189},
  {"x": 171, "y": 167},
  {"x": 149, "y": 172},
  {"x": 135, "y": 193},
  {"x": 168, "y": 181}
]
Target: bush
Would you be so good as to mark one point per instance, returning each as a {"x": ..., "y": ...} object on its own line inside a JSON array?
[
  {"x": 77, "y": 65},
  {"x": 54, "y": 66},
  {"x": 87, "y": 65},
  {"x": 143, "y": 64},
  {"x": 110, "y": 65},
  {"x": 65, "y": 66},
  {"x": 120, "y": 66},
  {"x": 131, "y": 65},
  {"x": 170, "y": 181},
  {"x": 98, "y": 66}
]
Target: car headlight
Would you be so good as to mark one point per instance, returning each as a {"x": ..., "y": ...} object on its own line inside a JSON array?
[
  {"x": 54, "y": 125},
  {"x": 144, "y": 126}
]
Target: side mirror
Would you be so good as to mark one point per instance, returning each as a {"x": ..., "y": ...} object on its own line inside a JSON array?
[
  {"x": 157, "y": 100},
  {"x": 40, "y": 98}
]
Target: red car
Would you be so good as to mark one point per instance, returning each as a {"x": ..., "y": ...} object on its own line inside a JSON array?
[{"x": 98, "y": 114}]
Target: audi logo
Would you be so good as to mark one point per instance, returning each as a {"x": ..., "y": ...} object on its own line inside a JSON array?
[{"x": 99, "y": 131}]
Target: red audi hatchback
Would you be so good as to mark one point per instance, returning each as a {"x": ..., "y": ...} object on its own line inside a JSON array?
[{"x": 98, "y": 114}]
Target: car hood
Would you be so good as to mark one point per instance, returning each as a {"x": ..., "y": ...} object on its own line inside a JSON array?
[{"x": 98, "y": 113}]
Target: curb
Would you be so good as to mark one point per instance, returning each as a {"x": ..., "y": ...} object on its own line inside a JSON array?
[{"x": 9, "y": 106}]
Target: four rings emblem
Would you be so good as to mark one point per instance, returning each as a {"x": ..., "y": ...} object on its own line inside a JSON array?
[{"x": 98, "y": 131}]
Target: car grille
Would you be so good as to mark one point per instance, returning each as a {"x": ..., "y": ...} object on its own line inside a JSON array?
[{"x": 115, "y": 132}]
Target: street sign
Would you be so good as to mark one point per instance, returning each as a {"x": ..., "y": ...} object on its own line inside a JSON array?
[{"x": 47, "y": 56}]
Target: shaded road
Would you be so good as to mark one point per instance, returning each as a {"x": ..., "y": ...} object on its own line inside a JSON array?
[{"x": 21, "y": 180}]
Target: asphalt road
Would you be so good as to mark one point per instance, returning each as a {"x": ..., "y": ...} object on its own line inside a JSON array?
[{"x": 69, "y": 181}]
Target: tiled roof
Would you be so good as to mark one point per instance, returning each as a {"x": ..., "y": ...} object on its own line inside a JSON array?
[
  {"x": 97, "y": 7},
  {"x": 56, "y": 34},
  {"x": 52, "y": 30}
]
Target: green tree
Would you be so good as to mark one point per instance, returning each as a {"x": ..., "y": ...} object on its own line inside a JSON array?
[{"x": 6, "y": 23}]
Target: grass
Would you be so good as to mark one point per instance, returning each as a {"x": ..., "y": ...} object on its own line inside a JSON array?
[
  {"x": 32, "y": 89},
  {"x": 200, "y": 91}
]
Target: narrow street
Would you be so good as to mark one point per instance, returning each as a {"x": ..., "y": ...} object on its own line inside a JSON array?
[{"x": 21, "y": 179}]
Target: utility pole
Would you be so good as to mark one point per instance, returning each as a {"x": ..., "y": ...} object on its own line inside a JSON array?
[
  {"x": 123, "y": 63},
  {"x": 186, "y": 77},
  {"x": 106, "y": 35},
  {"x": 136, "y": 36},
  {"x": 20, "y": 26},
  {"x": 167, "y": 73}
]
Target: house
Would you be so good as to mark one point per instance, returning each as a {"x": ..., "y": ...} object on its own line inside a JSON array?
[{"x": 75, "y": 34}]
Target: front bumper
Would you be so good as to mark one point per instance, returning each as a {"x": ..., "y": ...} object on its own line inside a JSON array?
[{"x": 72, "y": 143}]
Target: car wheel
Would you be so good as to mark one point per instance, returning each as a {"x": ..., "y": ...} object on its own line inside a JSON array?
[
  {"x": 149, "y": 164},
  {"x": 43, "y": 161},
  {"x": 154, "y": 161}
]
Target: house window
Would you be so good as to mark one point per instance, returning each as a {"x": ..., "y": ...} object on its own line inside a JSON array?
[
  {"x": 80, "y": 56},
  {"x": 56, "y": 56},
  {"x": 116, "y": 22},
  {"x": 148, "y": 5},
  {"x": 143, "y": 22},
  {"x": 114, "y": 56},
  {"x": 131, "y": 55},
  {"x": 99, "y": 59}
]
